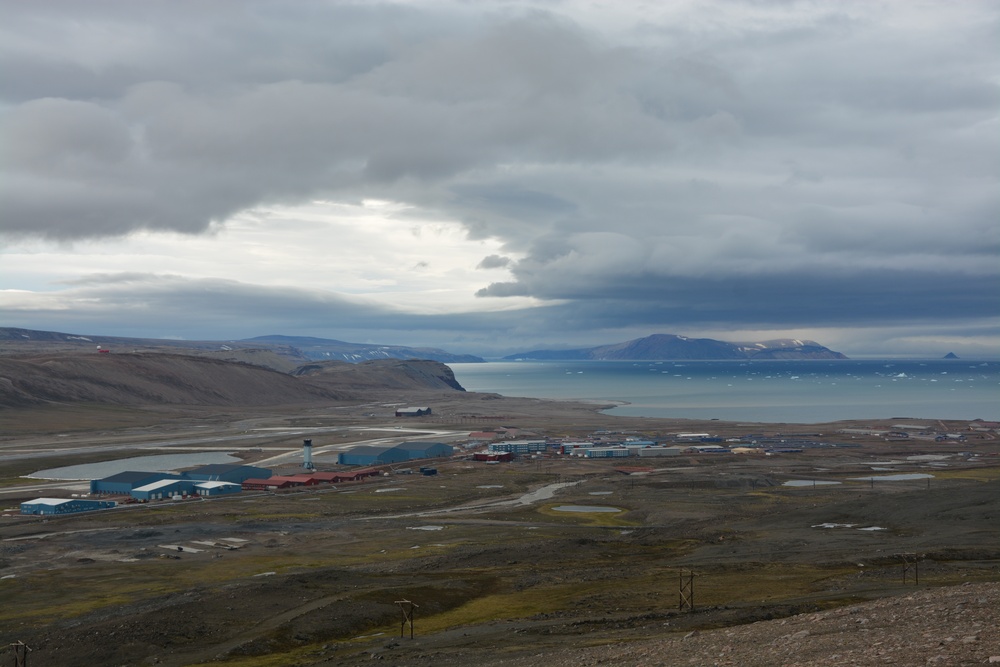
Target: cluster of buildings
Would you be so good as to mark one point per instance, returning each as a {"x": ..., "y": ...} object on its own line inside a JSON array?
[
  {"x": 600, "y": 445},
  {"x": 974, "y": 430},
  {"x": 605, "y": 445},
  {"x": 215, "y": 479},
  {"x": 593, "y": 450},
  {"x": 222, "y": 479}
]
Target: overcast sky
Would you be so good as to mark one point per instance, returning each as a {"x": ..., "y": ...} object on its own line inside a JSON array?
[{"x": 493, "y": 177}]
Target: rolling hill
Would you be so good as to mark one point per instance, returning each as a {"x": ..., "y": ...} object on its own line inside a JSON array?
[
  {"x": 143, "y": 379},
  {"x": 282, "y": 353}
]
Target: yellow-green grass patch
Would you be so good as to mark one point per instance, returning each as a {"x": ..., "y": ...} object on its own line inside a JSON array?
[
  {"x": 596, "y": 518},
  {"x": 989, "y": 474}
]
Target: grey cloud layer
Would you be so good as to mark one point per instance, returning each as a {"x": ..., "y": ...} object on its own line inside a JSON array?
[{"x": 776, "y": 164}]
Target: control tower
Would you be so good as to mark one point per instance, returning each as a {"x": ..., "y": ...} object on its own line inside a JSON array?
[{"x": 307, "y": 455}]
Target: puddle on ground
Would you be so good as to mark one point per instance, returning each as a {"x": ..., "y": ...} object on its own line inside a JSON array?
[
  {"x": 585, "y": 508},
  {"x": 808, "y": 482},
  {"x": 846, "y": 525},
  {"x": 894, "y": 478}
]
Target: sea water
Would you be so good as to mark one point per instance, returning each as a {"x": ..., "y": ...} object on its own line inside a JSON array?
[{"x": 797, "y": 391}]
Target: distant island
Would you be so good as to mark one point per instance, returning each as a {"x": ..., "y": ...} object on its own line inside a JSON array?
[
  {"x": 950, "y": 355},
  {"x": 668, "y": 347}
]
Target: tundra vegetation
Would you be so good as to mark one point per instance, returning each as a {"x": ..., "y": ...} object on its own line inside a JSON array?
[{"x": 317, "y": 576}]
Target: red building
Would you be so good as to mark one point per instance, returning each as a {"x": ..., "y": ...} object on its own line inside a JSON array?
[
  {"x": 270, "y": 484},
  {"x": 493, "y": 456}
]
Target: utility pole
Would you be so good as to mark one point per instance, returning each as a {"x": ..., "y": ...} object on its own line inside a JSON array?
[
  {"x": 910, "y": 561},
  {"x": 685, "y": 590},
  {"x": 406, "y": 607},
  {"x": 21, "y": 651}
]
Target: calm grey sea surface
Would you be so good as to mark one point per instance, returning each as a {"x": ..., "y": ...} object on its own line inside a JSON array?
[{"x": 805, "y": 392}]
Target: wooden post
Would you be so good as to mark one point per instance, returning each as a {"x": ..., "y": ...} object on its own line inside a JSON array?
[
  {"x": 685, "y": 590},
  {"x": 910, "y": 561},
  {"x": 21, "y": 651},
  {"x": 406, "y": 607}
]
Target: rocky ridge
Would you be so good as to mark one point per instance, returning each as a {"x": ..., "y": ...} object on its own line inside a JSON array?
[{"x": 953, "y": 626}]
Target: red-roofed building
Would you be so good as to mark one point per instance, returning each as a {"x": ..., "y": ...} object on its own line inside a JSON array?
[
  {"x": 493, "y": 456},
  {"x": 270, "y": 484},
  {"x": 304, "y": 479},
  {"x": 327, "y": 477},
  {"x": 358, "y": 475}
]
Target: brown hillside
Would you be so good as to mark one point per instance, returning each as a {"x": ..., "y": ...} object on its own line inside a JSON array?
[
  {"x": 380, "y": 374},
  {"x": 181, "y": 379},
  {"x": 147, "y": 379}
]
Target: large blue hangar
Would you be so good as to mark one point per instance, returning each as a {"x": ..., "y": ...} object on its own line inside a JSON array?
[
  {"x": 406, "y": 451},
  {"x": 125, "y": 483},
  {"x": 368, "y": 456},
  {"x": 425, "y": 450}
]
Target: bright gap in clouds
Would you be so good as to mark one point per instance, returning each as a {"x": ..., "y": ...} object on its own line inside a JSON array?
[{"x": 381, "y": 252}]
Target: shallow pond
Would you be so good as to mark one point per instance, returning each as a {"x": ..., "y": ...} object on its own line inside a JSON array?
[
  {"x": 585, "y": 508},
  {"x": 894, "y": 478},
  {"x": 808, "y": 482}
]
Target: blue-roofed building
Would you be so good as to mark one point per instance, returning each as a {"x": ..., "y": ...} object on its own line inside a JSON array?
[
  {"x": 46, "y": 506},
  {"x": 227, "y": 472},
  {"x": 125, "y": 482},
  {"x": 424, "y": 450},
  {"x": 370, "y": 455},
  {"x": 216, "y": 488},
  {"x": 164, "y": 488}
]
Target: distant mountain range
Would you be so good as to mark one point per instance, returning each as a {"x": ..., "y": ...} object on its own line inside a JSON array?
[
  {"x": 665, "y": 347},
  {"x": 337, "y": 350},
  {"x": 285, "y": 353},
  {"x": 280, "y": 352}
]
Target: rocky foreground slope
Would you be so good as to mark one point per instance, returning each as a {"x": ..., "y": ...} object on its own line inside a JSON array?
[{"x": 951, "y": 626}]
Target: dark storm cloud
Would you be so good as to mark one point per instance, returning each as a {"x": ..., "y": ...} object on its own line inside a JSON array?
[
  {"x": 171, "y": 304},
  {"x": 494, "y": 262},
  {"x": 773, "y": 164},
  {"x": 782, "y": 301},
  {"x": 176, "y": 136}
]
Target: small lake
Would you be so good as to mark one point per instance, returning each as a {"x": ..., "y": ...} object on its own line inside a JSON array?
[
  {"x": 158, "y": 463},
  {"x": 808, "y": 482},
  {"x": 894, "y": 478},
  {"x": 585, "y": 508}
]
